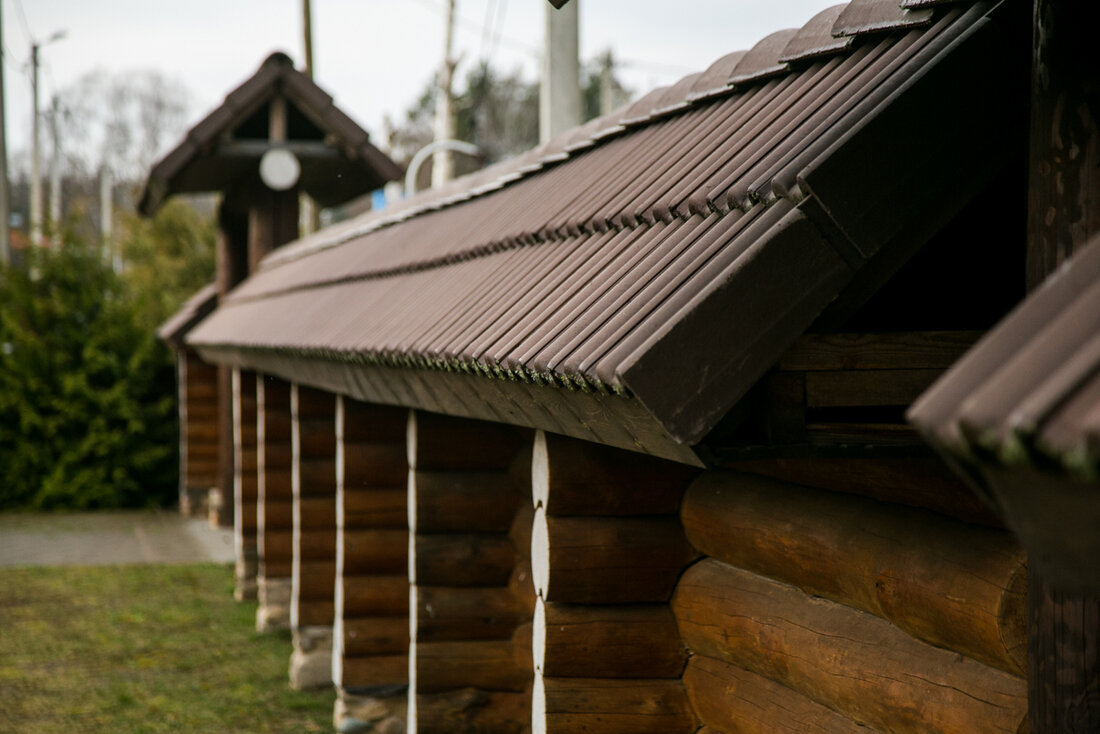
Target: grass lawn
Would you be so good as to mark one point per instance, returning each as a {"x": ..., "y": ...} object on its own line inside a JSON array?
[{"x": 142, "y": 649}]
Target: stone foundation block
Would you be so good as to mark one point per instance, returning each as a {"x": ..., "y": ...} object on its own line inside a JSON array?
[
  {"x": 274, "y": 610},
  {"x": 370, "y": 714},
  {"x": 311, "y": 661}
]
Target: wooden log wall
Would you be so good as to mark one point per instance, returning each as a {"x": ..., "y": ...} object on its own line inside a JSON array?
[
  {"x": 371, "y": 634},
  {"x": 607, "y": 549},
  {"x": 274, "y": 503},
  {"x": 244, "y": 484},
  {"x": 198, "y": 405},
  {"x": 313, "y": 575},
  {"x": 471, "y": 598},
  {"x": 852, "y": 614}
]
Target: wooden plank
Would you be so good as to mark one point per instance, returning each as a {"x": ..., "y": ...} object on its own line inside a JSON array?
[
  {"x": 371, "y": 423},
  {"x": 375, "y": 507},
  {"x": 877, "y": 351},
  {"x": 620, "y": 641},
  {"x": 368, "y": 636},
  {"x": 851, "y": 661},
  {"x": 375, "y": 465},
  {"x": 316, "y": 545},
  {"x": 573, "y": 477},
  {"x": 462, "y": 560},
  {"x": 611, "y": 706},
  {"x": 439, "y": 442},
  {"x": 473, "y": 502},
  {"x": 472, "y": 711},
  {"x": 450, "y": 613},
  {"x": 376, "y": 670},
  {"x": 317, "y": 475},
  {"x": 954, "y": 585},
  {"x": 315, "y": 612},
  {"x": 867, "y": 388},
  {"x": 484, "y": 664},
  {"x": 607, "y": 560},
  {"x": 732, "y": 699},
  {"x": 375, "y": 596},
  {"x": 376, "y": 551}
]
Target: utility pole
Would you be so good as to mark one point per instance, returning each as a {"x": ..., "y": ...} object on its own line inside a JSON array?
[
  {"x": 36, "y": 173},
  {"x": 36, "y": 160},
  {"x": 443, "y": 162},
  {"x": 560, "y": 91},
  {"x": 309, "y": 219},
  {"x": 5, "y": 240},
  {"x": 55, "y": 175}
]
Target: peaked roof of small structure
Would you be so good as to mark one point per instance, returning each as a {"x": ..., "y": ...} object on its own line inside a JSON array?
[
  {"x": 338, "y": 160},
  {"x": 629, "y": 281},
  {"x": 195, "y": 309},
  {"x": 1028, "y": 394}
]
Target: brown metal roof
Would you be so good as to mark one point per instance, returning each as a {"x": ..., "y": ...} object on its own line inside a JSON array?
[
  {"x": 341, "y": 165},
  {"x": 630, "y": 286},
  {"x": 195, "y": 309},
  {"x": 1029, "y": 393}
]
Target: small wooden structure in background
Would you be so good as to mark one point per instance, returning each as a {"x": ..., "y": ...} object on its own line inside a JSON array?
[
  {"x": 277, "y": 108},
  {"x": 654, "y": 375}
]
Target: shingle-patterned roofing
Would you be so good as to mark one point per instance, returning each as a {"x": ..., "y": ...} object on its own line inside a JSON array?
[
  {"x": 195, "y": 309},
  {"x": 197, "y": 165},
  {"x": 1029, "y": 392},
  {"x": 660, "y": 258}
]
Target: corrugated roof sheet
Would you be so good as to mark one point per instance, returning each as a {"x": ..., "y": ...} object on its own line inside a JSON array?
[
  {"x": 195, "y": 309},
  {"x": 666, "y": 260},
  {"x": 196, "y": 165},
  {"x": 1029, "y": 392}
]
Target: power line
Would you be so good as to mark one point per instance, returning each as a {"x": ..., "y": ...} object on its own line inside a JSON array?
[{"x": 23, "y": 18}]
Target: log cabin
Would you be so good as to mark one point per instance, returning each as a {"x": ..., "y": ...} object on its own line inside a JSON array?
[{"x": 647, "y": 385}]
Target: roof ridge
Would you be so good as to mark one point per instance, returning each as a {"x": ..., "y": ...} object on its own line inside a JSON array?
[{"x": 743, "y": 70}]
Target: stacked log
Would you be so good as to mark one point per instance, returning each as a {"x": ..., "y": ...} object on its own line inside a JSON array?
[
  {"x": 198, "y": 405},
  {"x": 820, "y": 611},
  {"x": 470, "y": 599},
  {"x": 244, "y": 484},
  {"x": 313, "y": 576},
  {"x": 370, "y": 665},
  {"x": 607, "y": 549},
  {"x": 274, "y": 504}
]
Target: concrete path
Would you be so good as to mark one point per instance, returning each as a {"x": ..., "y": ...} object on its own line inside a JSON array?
[{"x": 100, "y": 538}]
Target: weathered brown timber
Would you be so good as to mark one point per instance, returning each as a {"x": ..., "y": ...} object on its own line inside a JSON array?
[
  {"x": 366, "y": 596},
  {"x": 317, "y": 579},
  {"x": 1063, "y": 659},
  {"x": 522, "y": 585},
  {"x": 447, "y": 613},
  {"x": 731, "y": 699},
  {"x": 474, "y": 712},
  {"x": 278, "y": 545},
  {"x": 317, "y": 474},
  {"x": 521, "y": 646},
  {"x": 445, "y": 443},
  {"x": 462, "y": 560},
  {"x": 369, "y": 636},
  {"x": 278, "y": 482},
  {"x": 470, "y": 502},
  {"x": 221, "y": 501},
  {"x": 624, "y": 641},
  {"x": 845, "y": 388},
  {"x": 915, "y": 482},
  {"x": 607, "y": 560},
  {"x": 383, "y": 551},
  {"x": 278, "y": 567},
  {"x": 611, "y": 706},
  {"x": 484, "y": 664},
  {"x": 313, "y": 403},
  {"x": 573, "y": 477},
  {"x": 957, "y": 586},
  {"x": 375, "y": 507},
  {"x": 375, "y": 465},
  {"x": 885, "y": 351},
  {"x": 376, "y": 670},
  {"x": 245, "y": 477},
  {"x": 316, "y": 545},
  {"x": 313, "y": 613},
  {"x": 851, "y": 661},
  {"x": 374, "y": 424}
]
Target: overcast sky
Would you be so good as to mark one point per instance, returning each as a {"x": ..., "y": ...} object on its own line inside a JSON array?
[{"x": 373, "y": 56}]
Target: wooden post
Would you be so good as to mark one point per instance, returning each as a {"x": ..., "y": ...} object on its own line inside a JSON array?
[
  {"x": 1063, "y": 214},
  {"x": 244, "y": 483},
  {"x": 371, "y": 630},
  {"x": 313, "y": 577},
  {"x": 198, "y": 397},
  {"x": 606, "y": 550},
  {"x": 274, "y": 504},
  {"x": 469, "y": 669}
]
